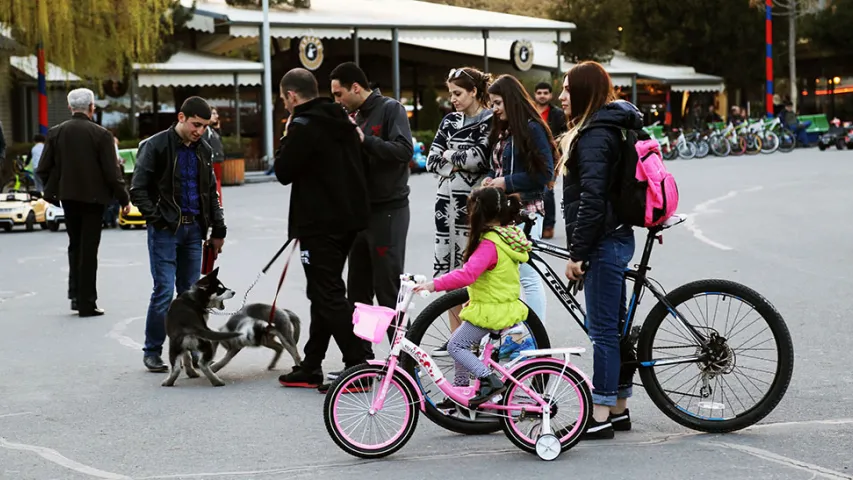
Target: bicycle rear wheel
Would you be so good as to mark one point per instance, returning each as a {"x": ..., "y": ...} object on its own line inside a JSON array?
[
  {"x": 430, "y": 331},
  {"x": 714, "y": 406}
]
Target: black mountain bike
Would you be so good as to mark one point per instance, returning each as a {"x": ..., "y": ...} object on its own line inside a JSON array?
[{"x": 693, "y": 368}]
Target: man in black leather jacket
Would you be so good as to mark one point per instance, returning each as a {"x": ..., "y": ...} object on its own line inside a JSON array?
[{"x": 174, "y": 187}]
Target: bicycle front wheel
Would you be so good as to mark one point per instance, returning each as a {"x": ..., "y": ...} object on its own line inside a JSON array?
[
  {"x": 352, "y": 425},
  {"x": 431, "y": 331},
  {"x": 742, "y": 373}
]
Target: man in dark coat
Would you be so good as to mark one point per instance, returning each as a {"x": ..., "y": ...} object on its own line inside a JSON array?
[
  {"x": 78, "y": 168},
  {"x": 556, "y": 120}
]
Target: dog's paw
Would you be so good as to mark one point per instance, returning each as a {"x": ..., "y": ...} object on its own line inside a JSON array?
[
  {"x": 193, "y": 374},
  {"x": 218, "y": 384},
  {"x": 271, "y": 367},
  {"x": 167, "y": 383}
]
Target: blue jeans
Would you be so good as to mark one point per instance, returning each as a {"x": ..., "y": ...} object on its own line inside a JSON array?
[
  {"x": 604, "y": 287},
  {"x": 175, "y": 260},
  {"x": 531, "y": 283}
]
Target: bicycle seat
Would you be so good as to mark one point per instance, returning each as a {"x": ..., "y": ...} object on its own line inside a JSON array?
[
  {"x": 547, "y": 352},
  {"x": 674, "y": 220}
]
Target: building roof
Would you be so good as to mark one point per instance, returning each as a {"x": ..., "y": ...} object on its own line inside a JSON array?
[
  {"x": 375, "y": 19},
  {"x": 678, "y": 77},
  {"x": 191, "y": 68},
  {"x": 28, "y": 65}
]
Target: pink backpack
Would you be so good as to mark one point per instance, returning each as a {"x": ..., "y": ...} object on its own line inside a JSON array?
[{"x": 644, "y": 193}]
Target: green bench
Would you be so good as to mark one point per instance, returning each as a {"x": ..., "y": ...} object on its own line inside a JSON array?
[
  {"x": 820, "y": 124},
  {"x": 129, "y": 157},
  {"x": 655, "y": 131}
]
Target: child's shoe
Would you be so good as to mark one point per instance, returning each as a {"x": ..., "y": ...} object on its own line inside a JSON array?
[
  {"x": 489, "y": 387},
  {"x": 511, "y": 350},
  {"x": 621, "y": 422}
]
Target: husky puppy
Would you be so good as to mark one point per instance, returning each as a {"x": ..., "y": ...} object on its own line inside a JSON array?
[
  {"x": 252, "y": 323},
  {"x": 186, "y": 326}
]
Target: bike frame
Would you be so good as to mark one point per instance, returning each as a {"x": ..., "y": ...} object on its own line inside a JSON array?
[
  {"x": 461, "y": 395},
  {"x": 641, "y": 282}
]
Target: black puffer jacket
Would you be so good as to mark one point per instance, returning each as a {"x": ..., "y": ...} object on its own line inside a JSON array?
[{"x": 589, "y": 176}]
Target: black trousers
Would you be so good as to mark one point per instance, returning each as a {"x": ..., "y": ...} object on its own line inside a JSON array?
[
  {"x": 550, "y": 210},
  {"x": 83, "y": 223},
  {"x": 323, "y": 259},
  {"x": 377, "y": 260}
]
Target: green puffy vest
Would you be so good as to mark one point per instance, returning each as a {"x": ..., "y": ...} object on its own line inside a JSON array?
[{"x": 494, "y": 297}]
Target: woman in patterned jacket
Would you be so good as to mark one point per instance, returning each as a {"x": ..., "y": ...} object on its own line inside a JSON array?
[{"x": 459, "y": 155}]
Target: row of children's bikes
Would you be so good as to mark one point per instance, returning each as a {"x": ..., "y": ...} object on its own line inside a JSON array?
[{"x": 748, "y": 138}]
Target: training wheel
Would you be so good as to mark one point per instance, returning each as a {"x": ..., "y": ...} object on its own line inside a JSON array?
[{"x": 548, "y": 447}]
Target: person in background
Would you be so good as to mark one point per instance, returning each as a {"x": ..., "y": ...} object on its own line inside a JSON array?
[
  {"x": 112, "y": 210},
  {"x": 556, "y": 121},
  {"x": 78, "y": 168},
  {"x": 378, "y": 253},
  {"x": 320, "y": 156},
  {"x": 712, "y": 116},
  {"x": 214, "y": 138},
  {"x": 174, "y": 188},
  {"x": 35, "y": 157},
  {"x": 736, "y": 116},
  {"x": 792, "y": 123},
  {"x": 459, "y": 155},
  {"x": 523, "y": 158}
]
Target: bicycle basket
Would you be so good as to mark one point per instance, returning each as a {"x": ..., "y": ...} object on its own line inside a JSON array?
[{"x": 371, "y": 321}]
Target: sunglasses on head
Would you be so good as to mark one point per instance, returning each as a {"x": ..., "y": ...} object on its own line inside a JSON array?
[{"x": 457, "y": 72}]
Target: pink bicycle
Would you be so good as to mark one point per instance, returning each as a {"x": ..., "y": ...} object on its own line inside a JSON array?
[{"x": 371, "y": 410}]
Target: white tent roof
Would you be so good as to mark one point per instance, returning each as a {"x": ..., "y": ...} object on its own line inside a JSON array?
[
  {"x": 29, "y": 66},
  {"x": 678, "y": 77},
  {"x": 190, "y": 68},
  {"x": 375, "y": 19}
]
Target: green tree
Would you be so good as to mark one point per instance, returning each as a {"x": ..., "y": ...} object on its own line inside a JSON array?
[
  {"x": 720, "y": 38},
  {"x": 829, "y": 29},
  {"x": 597, "y": 22},
  {"x": 95, "y": 39}
]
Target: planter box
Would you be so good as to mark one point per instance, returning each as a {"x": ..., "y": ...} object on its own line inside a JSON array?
[{"x": 233, "y": 171}]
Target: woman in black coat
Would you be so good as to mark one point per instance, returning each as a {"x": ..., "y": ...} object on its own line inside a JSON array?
[{"x": 591, "y": 149}]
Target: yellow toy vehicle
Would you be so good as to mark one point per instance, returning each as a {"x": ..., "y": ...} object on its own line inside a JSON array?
[
  {"x": 21, "y": 208},
  {"x": 133, "y": 219}
]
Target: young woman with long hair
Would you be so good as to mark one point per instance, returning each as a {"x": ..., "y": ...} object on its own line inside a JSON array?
[
  {"x": 523, "y": 157},
  {"x": 590, "y": 151},
  {"x": 459, "y": 155}
]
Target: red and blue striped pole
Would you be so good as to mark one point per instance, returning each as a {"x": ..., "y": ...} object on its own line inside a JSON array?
[
  {"x": 768, "y": 26},
  {"x": 42, "y": 92}
]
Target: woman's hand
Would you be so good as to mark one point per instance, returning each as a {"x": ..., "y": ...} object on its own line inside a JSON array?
[
  {"x": 574, "y": 270},
  {"x": 425, "y": 287},
  {"x": 498, "y": 183}
]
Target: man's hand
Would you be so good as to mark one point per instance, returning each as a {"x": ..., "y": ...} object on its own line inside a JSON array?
[
  {"x": 216, "y": 243},
  {"x": 488, "y": 181},
  {"x": 574, "y": 270},
  {"x": 125, "y": 210},
  {"x": 357, "y": 129}
]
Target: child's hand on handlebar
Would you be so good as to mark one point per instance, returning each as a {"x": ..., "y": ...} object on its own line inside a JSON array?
[{"x": 425, "y": 287}]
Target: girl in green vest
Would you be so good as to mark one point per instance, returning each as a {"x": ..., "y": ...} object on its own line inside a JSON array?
[{"x": 495, "y": 249}]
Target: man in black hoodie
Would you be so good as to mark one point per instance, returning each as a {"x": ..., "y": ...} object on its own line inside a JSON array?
[
  {"x": 320, "y": 156},
  {"x": 378, "y": 255}
]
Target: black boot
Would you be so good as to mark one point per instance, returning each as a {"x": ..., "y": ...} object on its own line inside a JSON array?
[{"x": 489, "y": 387}]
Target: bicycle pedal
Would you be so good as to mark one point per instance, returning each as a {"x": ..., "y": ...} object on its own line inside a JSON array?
[{"x": 497, "y": 398}]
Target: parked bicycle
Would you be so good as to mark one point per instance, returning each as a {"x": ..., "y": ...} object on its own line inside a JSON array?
[
  {"x": 371, "y": 410},
  {"x": 734, "y": 383}
]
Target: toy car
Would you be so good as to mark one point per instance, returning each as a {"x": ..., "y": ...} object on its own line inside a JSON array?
[
  {"x": 22, "y": 208},
  {"x": 54, "y": 216},
  {"x": 834, "y": 136},
  {"x": 132, "y": 219}
]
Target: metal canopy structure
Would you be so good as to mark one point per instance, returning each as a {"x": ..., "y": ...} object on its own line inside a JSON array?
[
  {"x": 190, "y": 68},
  {"x": 394, "y": 20}
]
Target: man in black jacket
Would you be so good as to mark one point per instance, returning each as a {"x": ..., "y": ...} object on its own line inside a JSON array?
[
  {"x": 174, "y": 187},
  {"x": 78, "y": 167},
  {"x": 378, "y": 255},
  {"x": 319, "y": 155},
  {"x": 556, "y": 120}
]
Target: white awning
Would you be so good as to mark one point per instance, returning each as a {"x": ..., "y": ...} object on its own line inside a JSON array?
[
  {"x": 679, "y": 77},
  {"x": 189, "y": 68},
  {"x": 28, "y": 65},
  {"x": 374, "y": 20}
]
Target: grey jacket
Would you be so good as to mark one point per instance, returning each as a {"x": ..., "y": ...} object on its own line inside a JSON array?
[{"x": 387, "y": 151}]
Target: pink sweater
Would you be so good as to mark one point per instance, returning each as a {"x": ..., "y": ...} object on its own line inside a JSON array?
[{"x": 485, "y": 257}]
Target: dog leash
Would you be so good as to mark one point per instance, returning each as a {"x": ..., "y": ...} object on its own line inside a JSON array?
[
  {"x": 280, "y": 282},
  {"x": 261, "y": 274}
]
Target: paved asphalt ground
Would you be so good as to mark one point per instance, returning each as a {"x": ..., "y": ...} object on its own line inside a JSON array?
[{"x": 76, "y": 402}]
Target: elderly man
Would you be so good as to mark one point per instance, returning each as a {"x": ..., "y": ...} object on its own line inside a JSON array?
[{"x": 78, "y": 167}]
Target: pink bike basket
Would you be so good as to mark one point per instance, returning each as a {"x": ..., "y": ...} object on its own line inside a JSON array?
[{"x": 372, "y": 321}]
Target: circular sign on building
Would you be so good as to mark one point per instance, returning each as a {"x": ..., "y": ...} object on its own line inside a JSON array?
[
  {"x": 311, "y": 52},
  {"x": 521, "y": 53}
]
